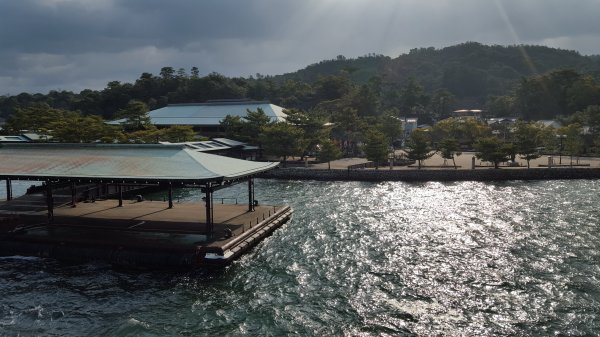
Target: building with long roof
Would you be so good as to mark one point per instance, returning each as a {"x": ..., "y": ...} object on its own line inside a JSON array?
[{"x": 206, "y": 117}]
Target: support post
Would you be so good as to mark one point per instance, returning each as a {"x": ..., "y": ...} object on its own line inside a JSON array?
[
  {"x": 209, "y": 209},
  {"x": 170, "y": 194},
  {"x": 250, "y": 194},
  {"x": 120, "y": 192},
  {"x": 49, "y": 201},
  {"x": 8, "y": 189},
  {"x": 73, "y": 195}
]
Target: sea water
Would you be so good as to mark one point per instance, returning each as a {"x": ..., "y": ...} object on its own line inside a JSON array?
[{"x": 357, "y": 259}]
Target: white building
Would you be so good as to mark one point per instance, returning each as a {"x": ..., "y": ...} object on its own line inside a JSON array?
[{"x": 206, "y": 117}]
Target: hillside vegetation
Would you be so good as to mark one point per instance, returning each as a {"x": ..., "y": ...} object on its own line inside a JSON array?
[{"x": 526, "y": 81}]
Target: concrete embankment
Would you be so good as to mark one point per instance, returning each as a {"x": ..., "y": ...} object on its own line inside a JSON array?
[{"x": 433, "y": 174}]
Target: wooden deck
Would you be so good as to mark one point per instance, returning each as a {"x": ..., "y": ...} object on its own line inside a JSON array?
[{"x": 147, "y": 225}]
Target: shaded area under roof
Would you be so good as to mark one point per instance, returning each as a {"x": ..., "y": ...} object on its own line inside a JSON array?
[{"x": 122, "y": 163}]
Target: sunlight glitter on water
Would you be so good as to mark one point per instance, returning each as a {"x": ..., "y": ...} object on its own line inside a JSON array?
[{"x": 389, "y": 259}]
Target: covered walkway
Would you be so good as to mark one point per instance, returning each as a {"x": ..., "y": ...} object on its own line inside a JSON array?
[{"x": 165, "y": 166}]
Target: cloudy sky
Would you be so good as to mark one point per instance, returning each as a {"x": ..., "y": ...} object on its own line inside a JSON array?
[{"x": 77, "y": 44}]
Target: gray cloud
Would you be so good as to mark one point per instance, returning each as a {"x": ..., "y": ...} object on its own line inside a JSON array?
[{"x": 76, "y": 44}]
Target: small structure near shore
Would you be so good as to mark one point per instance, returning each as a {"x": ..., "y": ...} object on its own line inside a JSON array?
[{"x": 154, "y": 234}]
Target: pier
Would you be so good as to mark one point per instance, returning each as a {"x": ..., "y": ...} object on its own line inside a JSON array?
[{"x": 61, "y": 222}]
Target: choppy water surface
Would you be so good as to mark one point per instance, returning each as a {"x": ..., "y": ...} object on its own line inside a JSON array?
[{"x": 358, "y": 259}]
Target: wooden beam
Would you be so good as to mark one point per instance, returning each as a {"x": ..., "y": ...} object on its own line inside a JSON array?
[
  {"x": 8, "y": 189},
  {"x": 209, "y": 210},
  {"x": 120, "y": 192},
  {"x": 73, "y": 195},
  {"x": 49, "y": 201},
  {"x": 250, "y": 194},
  {"x": 170, "y": 194}
]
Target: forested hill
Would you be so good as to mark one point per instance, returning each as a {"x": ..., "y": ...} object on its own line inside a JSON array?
[
  {"x": 470, "y": 71},
  {"x": 502, "y": 79}
]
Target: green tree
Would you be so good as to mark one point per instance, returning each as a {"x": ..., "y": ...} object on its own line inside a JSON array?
[
  {"x": 560, "y": 92},
  {"x": 328, "y": 151},
  {"x": 376, "y": 147},
  {"x": 592, "y": 118},
  {"x": 412, "y": 96},
  {"x": 493, "y": 150},
  {"x": 149, "y": 136},
  {"x": 36, "y": 118},
  {"x": 419, "y": 147},
  {"x": 574, "y": 143},
  {"x": 136, "y": 116},
  {"x": 195, "y": 72},
  {"x": 391, "y": 127},
  {"x": 465, "y": 131},
  {"x": 449, "y": 148},
  {"x": 311, "y": 123},
  {"x": 582, "y": 93},
  {"x": 547, "y": 137},
  {"x": 441, "y": 103},
  {"x": 254, "y": 124},
  {"x": 501, "y": 106},
  {"x": 233, "y": 126},
  {"x": 534, "y": 101},
  {"x": 114, "y": 97},
  {"x": 293, "y": 94},
  {"x": 448, "y": 128},
  {"x": 178, "y": 134},
  {"x": 167, "y": 73},
  {"x": 72, "y": 127},
  {"x": 527, "y": 137},
  {"x": 282, "y": 140},
  {"x": 365, "y": 101},
  {"x": 349, "y": 128},
  {"x": 332, "y": 87}
]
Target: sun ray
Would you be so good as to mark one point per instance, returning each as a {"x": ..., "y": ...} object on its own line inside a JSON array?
[{"x": 515, "y": 37}]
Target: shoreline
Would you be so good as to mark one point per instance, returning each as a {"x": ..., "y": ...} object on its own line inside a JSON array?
[
  {"x": 469, "y": 168},
  {"x": 423, "y": 175}
]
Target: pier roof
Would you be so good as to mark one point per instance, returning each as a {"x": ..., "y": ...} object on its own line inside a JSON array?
[{"x": 145, "y": 163}]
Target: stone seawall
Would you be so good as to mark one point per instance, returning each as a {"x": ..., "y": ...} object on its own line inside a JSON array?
[{"x": 433, "y": 175}]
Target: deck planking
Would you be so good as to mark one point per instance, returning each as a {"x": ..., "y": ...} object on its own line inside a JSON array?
[{"x": 150, "y": 226}]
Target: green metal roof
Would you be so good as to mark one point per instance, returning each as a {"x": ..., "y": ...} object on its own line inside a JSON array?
[{"x": 131, "y": 163}]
